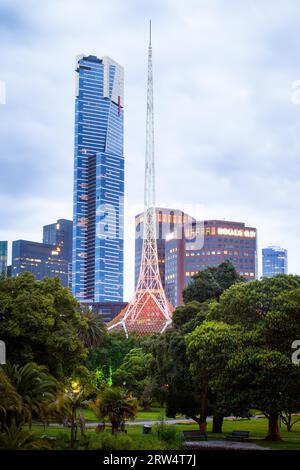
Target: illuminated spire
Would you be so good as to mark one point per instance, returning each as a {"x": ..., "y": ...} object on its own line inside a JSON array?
[{"x": 149, "y": 311}]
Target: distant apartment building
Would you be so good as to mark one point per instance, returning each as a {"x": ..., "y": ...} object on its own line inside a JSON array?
[
  {"x": 60, "y": 234},
  {"x": 52, "y": 258},
  {"x": 274, "y": 261},
  {"x": 3, "y": 258},
  {"x": 40, "y": 259},
  {"x": 206, "y": 244}
]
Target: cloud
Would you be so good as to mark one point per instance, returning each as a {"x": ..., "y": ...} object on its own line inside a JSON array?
[{"x": 226, "y": 130}]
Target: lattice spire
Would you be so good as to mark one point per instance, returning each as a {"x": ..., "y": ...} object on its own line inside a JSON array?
[{"x": 149, "y": 311}]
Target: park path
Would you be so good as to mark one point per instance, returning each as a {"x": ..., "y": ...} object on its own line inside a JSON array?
[{"x": 219, "y": 445}]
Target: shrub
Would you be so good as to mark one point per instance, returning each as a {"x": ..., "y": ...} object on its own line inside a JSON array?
[{"x": 113, "y": 442}]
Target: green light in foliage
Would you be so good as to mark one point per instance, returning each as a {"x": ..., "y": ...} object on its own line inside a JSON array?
[{"x": 110, "y": 381}]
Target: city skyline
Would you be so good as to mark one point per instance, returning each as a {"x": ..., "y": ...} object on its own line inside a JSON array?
[{"x": 238, "y": 168}]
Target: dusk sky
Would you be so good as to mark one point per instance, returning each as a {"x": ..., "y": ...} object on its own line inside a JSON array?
[{"x": 227, "y": 110}]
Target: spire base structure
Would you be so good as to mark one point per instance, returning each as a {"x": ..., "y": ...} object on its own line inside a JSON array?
[{"x": 149, "y": 311}]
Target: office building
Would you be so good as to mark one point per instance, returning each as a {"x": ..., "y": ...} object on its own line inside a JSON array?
[
  {"x": 167, "y": 220},
  {"x": 208, "y": 244},
  {"x": 274, "y": 261},
  {"x": 40, "y": 259},
  {"x": 60, "y": 234},
  {"x": 97, "y": 261},
  {"x": 3, "y": 258}
]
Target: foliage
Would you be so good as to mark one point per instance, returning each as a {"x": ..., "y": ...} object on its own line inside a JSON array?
[
  {"x": 211, "y": 282},
  {"x": 116, "y": 405},
  {"x": 68, "y": 403},
  {"x": 133, "y": 373},
  {"x": 187, "y": 317},
  {"x": 16, "y": 438},
  {"x": 209, "y": 348},
  {"x": 39, "y": 323},
  {"x": 264, "y": 379},
  {"x": 29, "y": 388},
  {"x": 171, "y": 374},
  {"x": 92, "y": 333},
  {"x": 168, "y": 433},
  {"x": 112, "y": 351}
]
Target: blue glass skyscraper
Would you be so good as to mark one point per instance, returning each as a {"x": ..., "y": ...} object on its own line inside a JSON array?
[
  {"x": 97, "y": 260},
  {"x": 274, "y": 261},
  {"x": 3, "y": 257}
]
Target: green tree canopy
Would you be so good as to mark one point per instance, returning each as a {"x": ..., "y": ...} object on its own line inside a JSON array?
[
  {"x": 133, "y": 373},
  {"x": 39, "y": 323},
  {"x": 211, "y": 282}
]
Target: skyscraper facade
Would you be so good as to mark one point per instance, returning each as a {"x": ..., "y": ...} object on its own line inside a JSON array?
[
  {"x": 167, "y": 220},
  {"x": 97, "y": 261},
  {"x": 274, "y": 261},
  {"x": 60, "y": 234},
  {"x": 220, "y": 240},
  {"x": 40, "y": 259},
  {"x": 3, "y": 258}
]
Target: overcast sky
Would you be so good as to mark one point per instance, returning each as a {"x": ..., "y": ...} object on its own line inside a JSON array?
[{"x": 227, "y": 118}]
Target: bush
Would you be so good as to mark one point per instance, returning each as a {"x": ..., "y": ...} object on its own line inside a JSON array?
[
  {"x": 168, "y": 434},
  {"x": 113, "y": 442}
]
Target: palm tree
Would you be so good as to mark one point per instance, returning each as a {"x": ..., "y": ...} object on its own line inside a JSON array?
[
  {"x": 35, "y": 388},
  {"x": 10, "y": 400},
  {"x": 67, "y": 405},
  {"x": 116, "y": 405},
  {"x": 16, "y": 438},
  {"x": 93, "y": 332}
]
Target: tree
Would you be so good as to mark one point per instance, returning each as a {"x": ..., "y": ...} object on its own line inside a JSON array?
[
  {"x": 10, "y": 400},
  {"x": 211, "y": 282},
  {"x": 116, "y": 405},
  {"x": 67, "y": 405},
  {"x": 92, "y": 333},
  {"x": 112, "y": 351},
  {"x": 266, "y": 380},
  {"x": 134, "y": 372},
  {"x": 209, "y": 348},
  {"x": 17, "y": 438},
  {"x": 39, "y": 323},
  {"x": 188, "y": 316},
  {"x": 29, "y": 387},
  {"x": 170, "y": 373}
]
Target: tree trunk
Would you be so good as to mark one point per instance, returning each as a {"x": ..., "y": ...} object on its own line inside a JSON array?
[
  {"x": 217, "y": 423},
  {"x": 115, "y": 426},
  {"x": 273, "y": 431},
  {"x": 203, "y": 411}
]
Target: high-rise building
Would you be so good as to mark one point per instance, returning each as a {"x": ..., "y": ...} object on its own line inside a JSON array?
[
  {"x": 274, "y": 261},
  {"x": 3, "y": 258},
  {"x": 219, "y": 241},
  {"x": 40, "y": 259},
  {"x": 97, "y": 262},
  {"x": 167, "y": 220},
  {"x": 60, "y": 234}
]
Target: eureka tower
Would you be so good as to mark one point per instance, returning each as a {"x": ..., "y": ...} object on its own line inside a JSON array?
[{"x": 97, "y": 259}]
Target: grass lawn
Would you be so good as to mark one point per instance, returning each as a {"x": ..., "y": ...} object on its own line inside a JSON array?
[
  {"x": 154, "y": 414},
  {"x": 256, "y": 426}
]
